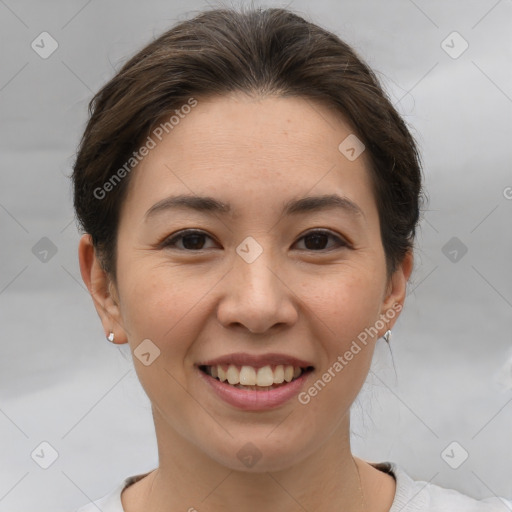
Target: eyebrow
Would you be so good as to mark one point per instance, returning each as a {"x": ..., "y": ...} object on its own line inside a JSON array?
[{"x": 292, "y": 207}]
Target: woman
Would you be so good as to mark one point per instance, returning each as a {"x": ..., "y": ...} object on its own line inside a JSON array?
[{"x": 249, "y": 199}]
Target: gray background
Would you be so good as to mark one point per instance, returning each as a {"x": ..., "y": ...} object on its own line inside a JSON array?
[{"x": 63, "y": 383}]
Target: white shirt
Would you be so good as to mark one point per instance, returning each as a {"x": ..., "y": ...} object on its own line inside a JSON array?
[{"x": 410, "y": 496}]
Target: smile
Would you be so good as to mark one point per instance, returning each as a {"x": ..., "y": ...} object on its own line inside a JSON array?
[
  {"x": 287, "y": 382},
  {"x": 263, "y": 378}
]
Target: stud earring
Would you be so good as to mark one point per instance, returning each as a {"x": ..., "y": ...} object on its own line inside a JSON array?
[
  {"x": 387, "y": 336},
  {"x": 110, "y": 337}
]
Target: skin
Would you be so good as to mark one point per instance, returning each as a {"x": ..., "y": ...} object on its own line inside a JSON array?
[{"x": 294, "y": 298}]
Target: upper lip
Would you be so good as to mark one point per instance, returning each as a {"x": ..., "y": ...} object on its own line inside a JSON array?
[{"x": 257, "y": 361}]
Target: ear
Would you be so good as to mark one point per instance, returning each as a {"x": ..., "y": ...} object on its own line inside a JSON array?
[
  {"x": 395, "y": 292},
  {"x": 102, "y": 290}
]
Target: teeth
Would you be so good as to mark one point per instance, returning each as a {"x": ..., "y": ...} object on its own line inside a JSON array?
[
  {"x": 220, "y": 372},
  {"x": 233, "y": 374},
  {"x": 288, "y": 373},
  {"x": 279, "y": 374},
  {"x": 264, "y": 377},
  {"x": 247, "y": 376}
]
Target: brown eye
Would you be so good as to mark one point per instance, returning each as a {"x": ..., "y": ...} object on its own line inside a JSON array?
[
  {"x": 317, "y": 240},
  {"x": 192, "y": 240}
]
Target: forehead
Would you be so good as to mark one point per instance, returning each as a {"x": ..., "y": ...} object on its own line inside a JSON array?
[
  {"x": 241, "y": 125},
  {"x": 251, "y": 149}
]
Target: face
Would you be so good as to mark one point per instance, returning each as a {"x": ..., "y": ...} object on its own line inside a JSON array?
[{"x": 280, "y": 283}]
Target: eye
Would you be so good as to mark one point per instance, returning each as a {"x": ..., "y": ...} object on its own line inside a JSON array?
[
  {"x": 315, "y": 240},
  {"x": 193, "y": 240}
]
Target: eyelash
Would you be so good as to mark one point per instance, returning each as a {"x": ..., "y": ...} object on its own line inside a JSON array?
[{"x": 170, "y": 242}]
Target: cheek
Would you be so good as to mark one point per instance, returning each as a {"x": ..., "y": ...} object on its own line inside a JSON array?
[
  {"x": 163, "y": 305},
  {"x": 346, "y": 301},
  {"x": 343, "y": 310},
  {"x": 160, "y": 302}
]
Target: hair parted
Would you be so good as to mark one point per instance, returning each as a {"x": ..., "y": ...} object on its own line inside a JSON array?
[{"x": 260, "y": 52}]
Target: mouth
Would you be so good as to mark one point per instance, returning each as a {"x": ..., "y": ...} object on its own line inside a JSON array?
[
  {"x": 255, "y": 378},
  {"x": 251, "y": 382}
]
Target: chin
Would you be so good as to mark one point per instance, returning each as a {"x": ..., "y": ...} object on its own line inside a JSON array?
[{"x": 259, "y": 454}]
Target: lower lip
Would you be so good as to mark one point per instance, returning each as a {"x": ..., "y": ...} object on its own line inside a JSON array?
[{"x": 252, "y": 400}]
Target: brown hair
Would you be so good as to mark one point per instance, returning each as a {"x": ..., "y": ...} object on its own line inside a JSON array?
[{"x": 260, "y": 52}]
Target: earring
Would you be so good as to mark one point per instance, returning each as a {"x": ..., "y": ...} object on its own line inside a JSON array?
[
  {"x": 110, "y": 337},
  {"x": 387, "y": 336}
]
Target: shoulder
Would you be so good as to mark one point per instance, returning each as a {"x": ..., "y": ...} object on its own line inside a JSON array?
[
  {"x": 420, "y": 496},
  {"x": 111, "y": 502}
]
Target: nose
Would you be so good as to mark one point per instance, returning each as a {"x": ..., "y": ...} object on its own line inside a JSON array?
[{"x": 256, "y": 297}]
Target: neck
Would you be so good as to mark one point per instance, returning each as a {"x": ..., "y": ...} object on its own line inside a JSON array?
[{"x": 188, "y": 479}]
